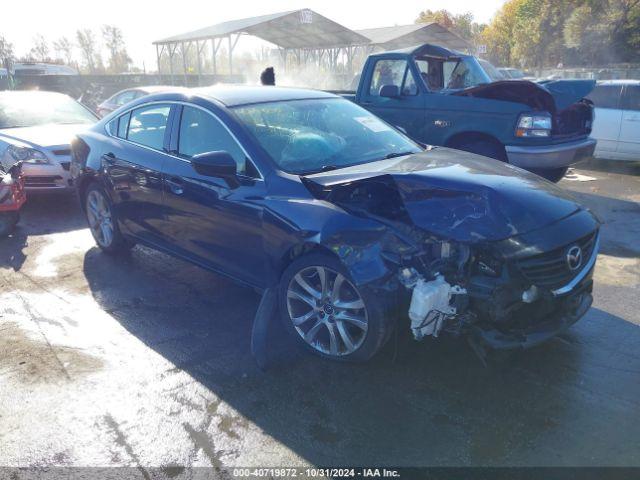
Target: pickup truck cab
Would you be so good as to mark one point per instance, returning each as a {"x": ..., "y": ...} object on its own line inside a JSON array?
[{"x": 443, "y": 97}]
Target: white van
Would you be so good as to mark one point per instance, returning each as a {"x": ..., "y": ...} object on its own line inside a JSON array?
[{"x": 617, "y": 119}]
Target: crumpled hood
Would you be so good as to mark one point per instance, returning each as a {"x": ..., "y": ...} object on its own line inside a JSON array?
[
  {"x": 44, "y": 135},
  {"x": 447, "y": 193},
  {"x": 551, "y": 96}
]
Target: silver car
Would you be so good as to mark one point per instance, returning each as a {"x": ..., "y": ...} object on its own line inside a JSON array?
[
  {"x": 123, "y": 97},
  {"x": 36, "y": 128}
]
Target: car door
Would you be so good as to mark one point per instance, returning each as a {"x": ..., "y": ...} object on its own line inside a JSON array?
[
  {"x": 406, "y": 111},
  {"x": 608, "y": 117},
  {"x": 629, "y": 142},
  {"x": 211, "y": 220},
  {"x": 133, "y": 169}
]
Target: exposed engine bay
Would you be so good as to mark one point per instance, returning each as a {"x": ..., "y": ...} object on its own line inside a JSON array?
[{"x": 471, "y": 259}]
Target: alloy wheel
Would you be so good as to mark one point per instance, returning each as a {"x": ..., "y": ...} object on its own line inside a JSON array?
[
  {"x": 327, "y": 311},
  {"x": 100, "y": 218}
]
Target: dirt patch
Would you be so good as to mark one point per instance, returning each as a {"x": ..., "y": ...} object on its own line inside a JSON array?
[{"x": 29, "y": 359}]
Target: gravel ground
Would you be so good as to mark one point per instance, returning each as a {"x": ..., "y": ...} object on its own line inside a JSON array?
[{"x": 145, "y": 362}]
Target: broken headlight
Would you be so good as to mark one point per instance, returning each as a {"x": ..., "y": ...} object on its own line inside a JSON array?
[
  {"x": 26, "y": 154},
  {"x": 538, "y": 125},
  {"x": 487, "y": 265}
]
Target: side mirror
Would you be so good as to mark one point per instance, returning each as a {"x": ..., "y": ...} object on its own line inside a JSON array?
[
  {"x": 216, "y": 164},
  {"x": 390, "y": 91}
]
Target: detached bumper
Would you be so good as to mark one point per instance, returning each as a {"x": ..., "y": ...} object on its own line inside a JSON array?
[{"x": 551, "y": 156}]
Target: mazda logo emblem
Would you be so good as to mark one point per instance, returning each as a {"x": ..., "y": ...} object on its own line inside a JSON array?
[{"x": 574, "y": 257}]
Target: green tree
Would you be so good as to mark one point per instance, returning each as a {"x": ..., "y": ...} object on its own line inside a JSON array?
[
  {"x": 40, "y": 49},
  {"x": 63, "y": 49},
  {"x": 119, "y": 59},
  {"x": 89, "y": 49},
  {"x": 6, "y": 52},
  {"x": 462, "y": 23}
]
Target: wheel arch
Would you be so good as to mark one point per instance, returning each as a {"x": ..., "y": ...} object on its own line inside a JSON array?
[
  {"x": 471, "y": 136},
  {"x": 300, "y": 249}
]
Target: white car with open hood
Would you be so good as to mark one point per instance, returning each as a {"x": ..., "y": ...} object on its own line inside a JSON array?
[{"x": 36, "y": 129}]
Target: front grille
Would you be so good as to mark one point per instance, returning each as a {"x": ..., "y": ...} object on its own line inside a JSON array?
[
  {"x": 551, "y": 269},
  {"x": 41, "y": 181},
  {"x": 66, "y": 165},
  {"x": 62, "y": 153}
]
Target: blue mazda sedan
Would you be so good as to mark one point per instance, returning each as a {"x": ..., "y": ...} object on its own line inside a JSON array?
[{"x": 359, "y": 229}]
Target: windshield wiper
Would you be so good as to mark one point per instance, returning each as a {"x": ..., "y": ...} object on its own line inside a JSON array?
[
  {"x": 324, "y": 168},
  {"x": 398, "y": 154}
]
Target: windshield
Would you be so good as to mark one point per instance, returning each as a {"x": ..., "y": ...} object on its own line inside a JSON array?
[
  {"x": 493, "y": 73},
  {"x": 456, "y": 72},
  {"x": 27, "y": 109},
  {"x": 307, "y": 136}
]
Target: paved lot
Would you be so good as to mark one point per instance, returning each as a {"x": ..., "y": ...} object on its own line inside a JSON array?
[{"x": 145, "y": 362}]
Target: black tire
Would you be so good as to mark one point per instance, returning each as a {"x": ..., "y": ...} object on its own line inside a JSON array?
[
  {"x": 485, "y": 148},
  {"x": 117, "y": 244},
  {"x": 8, "y": 222},
  {"x": 552, "y": 174},
  {"x": 379, "y": 322}
]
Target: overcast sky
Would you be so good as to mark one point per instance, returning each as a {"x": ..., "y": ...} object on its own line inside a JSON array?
[{"x": 143, "y": 21}]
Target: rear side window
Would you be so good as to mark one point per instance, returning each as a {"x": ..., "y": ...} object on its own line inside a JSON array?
[
  {"x": 201, "y": 132},
  {"x": 148, "y": 125},
  {"x": 606, "y": 96},
  {"x": 123, "y": 125},
  {"x": 387, "y": 72},
  {"x": 631, "y": 98}
]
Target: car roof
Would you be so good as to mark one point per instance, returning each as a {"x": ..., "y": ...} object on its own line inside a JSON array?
[
  {"x": 234, "y": 95},
  {"x": 153, "y": 88},
  {"x": 619, "y": 82},
  {"x": 424, "y": 50}
]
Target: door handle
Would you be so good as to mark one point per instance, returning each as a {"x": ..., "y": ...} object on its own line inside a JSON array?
[{"x": 176, "y": 186}]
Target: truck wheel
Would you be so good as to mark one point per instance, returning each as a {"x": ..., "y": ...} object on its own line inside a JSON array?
[
  {"x": 552, "y": 174},
  {"x": 8, "y": 221},
  {"x": 484, "y": 148},
  {"x": 327, "y": 314},
  {"x": 103, "y": 222}
]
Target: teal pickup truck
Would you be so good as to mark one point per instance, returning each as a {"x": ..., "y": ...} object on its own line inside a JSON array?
[{"x": 443, "y": 97}]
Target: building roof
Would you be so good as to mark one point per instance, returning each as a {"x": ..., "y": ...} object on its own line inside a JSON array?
[
  {"x": 293, "y": 29},
  {"x": 401, "y": 36}
]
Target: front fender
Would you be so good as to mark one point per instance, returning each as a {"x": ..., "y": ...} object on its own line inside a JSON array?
[{"x": 367, "y": 248}]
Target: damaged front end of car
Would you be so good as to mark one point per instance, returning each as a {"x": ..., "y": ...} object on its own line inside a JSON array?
[{"x": 508, "y": 267}]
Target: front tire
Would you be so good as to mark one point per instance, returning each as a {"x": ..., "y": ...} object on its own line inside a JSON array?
[
  {"x": 552, "y": 174},
  {"x": 8, "y": 222},
  {"x": 327, "y": 314},
  {"x": 485, "y": 148},
  {"x": 103, "y": 222}
]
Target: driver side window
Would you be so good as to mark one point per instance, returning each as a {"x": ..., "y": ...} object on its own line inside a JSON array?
[
  {"x": 201, "y": 132},
  {"x": 387, "y": 72}
]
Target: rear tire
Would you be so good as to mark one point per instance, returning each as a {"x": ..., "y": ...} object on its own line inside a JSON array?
[
  {"x": 343, "y": 322},
  {"x": 103, "y": 222},
  {"x": 552, "y": 174},
  {"x": 8, "y": 222}
]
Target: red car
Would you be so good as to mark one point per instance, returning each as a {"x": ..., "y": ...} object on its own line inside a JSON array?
[{"x": 12, "y": 197}]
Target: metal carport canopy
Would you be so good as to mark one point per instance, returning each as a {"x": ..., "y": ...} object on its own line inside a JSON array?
[
  {"x": 304, "y": 29},
  {"x": 401, "y": 36}
]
